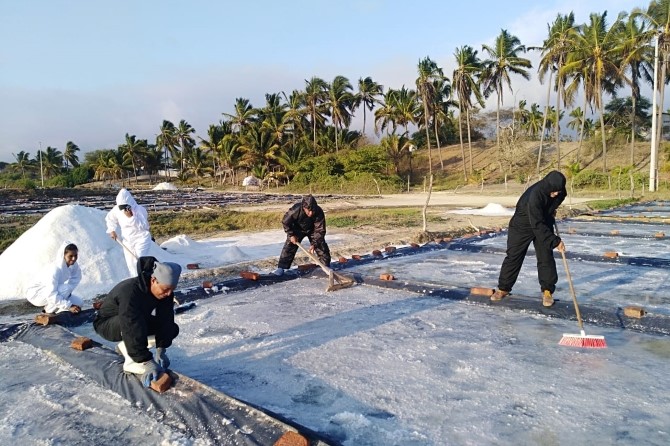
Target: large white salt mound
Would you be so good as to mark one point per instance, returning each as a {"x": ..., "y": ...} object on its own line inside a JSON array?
[
  {"x": 491, "y": 209},
  {"x": 100, "y": 258},
  {"x": 165, "y": 186}
]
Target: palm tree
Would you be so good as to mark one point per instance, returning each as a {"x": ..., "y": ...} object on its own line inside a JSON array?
[
  {"x": 52, "y": 162},
  {"x": 465, "y": 83},
  {"x": 384, "y": 115},
  {"x": 555, "y": 50},
  {"x": 133, "y": 149},
  {"x": 503, "y": 60},
  {"x": 186, "y": 141},
  {"x": 404, "y": 106},
  {"x": 167, "y": 140},
  {"x": 658, "y": 17},
  {"x": 340, "y": 102},
  {"x": 210, "y": 146},
  {"x": 316, "y": 94},
  {"x": 294, "y": 118},
  {"x": 243, "y": 116},
  {"x": 231, "y": 155},
  {"x": 22, "y": 162},
  {"x": 368, "y": 91},
  {"x": 429, "y": 72},
  {"x": 396, "y": 147},
  {"x": 70, "y": 154},
  {"x": 596, "y": 52},
  {"x": 636, "y": 54}
]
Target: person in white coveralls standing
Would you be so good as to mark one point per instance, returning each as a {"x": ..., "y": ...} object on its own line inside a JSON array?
[
  {"x": 132, "y": 221},
  {"x": 53, "y": 289}
]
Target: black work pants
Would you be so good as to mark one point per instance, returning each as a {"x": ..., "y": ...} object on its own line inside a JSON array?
[
  {"x": 518, "y": 241},
  {"x": 110, "y": 329},
  {"x": 288, "y": 251}
]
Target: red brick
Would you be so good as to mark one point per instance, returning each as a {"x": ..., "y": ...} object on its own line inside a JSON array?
[
  {"x": 414, "y": 245},
  {"x": 386, "y": 277},
  {"x": 162, "y": 383},
  {"x": 659, "y": 235},
  {"x": 307, "y": 266},
  {"x": 480, "y": 291},
  {"x": 376, "y": 253},
  {"x": 81, "y": 343},
  {"x": 611, "y": 255},
  {"x": 390, "y": 249},
  {"x": 614, "y": 232},
  {"x": 45, "y": 318},
  {"x": 250, "y": 275},
  {"x": 207, "y": 284},
  {"x": 192, "y": 266},
  {"x": 447, "y": 239},
  {"x": 634, "y": 311},
  {"x": 291, "y": 438},
  {"x": 342, "y": 260},
  {"x": 355, "y": 257}
]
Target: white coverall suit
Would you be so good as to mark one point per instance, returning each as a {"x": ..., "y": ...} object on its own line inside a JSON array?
[
  {"x": 134, "y": 231},
  {"x": 53, "y": 289}
]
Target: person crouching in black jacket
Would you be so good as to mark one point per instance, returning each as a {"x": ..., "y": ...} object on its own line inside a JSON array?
[
  {"x": 126, "y": 316},
  {"x": 533, "y": 221},
  {"x": 304, "y": 219}
]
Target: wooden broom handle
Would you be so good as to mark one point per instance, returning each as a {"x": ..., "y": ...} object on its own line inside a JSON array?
[{"x": 572, "y": 288}]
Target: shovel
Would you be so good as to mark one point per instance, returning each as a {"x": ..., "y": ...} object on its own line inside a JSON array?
[{"x": 342, "y": 280}]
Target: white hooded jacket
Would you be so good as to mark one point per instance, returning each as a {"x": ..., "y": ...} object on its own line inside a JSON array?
[
  {"x": 54, "y": 287},
  {"x": 133, "y": 231}
]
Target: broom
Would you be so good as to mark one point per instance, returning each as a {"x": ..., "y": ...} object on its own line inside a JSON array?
[{"x": 582, "y": 339}]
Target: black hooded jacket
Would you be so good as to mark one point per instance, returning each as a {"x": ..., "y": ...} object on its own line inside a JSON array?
[
  {"x": 297, "y": 223},
  {"x": 131, "y": 300},
  {"x": 535, "y": 209}
]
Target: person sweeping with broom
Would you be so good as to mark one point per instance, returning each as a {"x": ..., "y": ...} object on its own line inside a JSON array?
[
  {"x": 533, "y": 222},
  {"x": 304, "y": 219}
]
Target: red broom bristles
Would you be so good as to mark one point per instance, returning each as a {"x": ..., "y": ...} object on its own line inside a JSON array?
[{"x": 585, "y": 341}]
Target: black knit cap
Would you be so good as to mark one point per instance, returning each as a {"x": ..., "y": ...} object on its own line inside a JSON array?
[{"x": 308, "y": 202}]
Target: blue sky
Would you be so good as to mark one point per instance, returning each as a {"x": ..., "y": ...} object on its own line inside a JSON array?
[{"x": 89, "y": 71}]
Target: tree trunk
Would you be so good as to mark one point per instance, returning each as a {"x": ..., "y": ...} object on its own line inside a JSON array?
[
  {"x": 581, "y": 131},
  {"x": 425, "y": 206},
  {"x": 467, "y": 120},
  {"x": 437, "y": 141},
  {"x": 460, "y": 137},
  {"x": 544, "y": 124}
]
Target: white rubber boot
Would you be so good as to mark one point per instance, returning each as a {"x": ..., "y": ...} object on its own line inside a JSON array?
[{"x": 129, "y": 366}]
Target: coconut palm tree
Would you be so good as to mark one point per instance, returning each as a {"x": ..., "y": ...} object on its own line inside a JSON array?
[
  {"x": 368, "y": 92},
  {"x": 52, "y": 162},
  {"x": 503, "y": 60},
  {"x": 636, "y": 56},
  {"x": 231, "y": 155},
  {"x": 384, "y": 115},
  {"x": 244, "y": 115},
  {"x": 316, "y": 94},
  {"x": 596, "y": 52},
  {"x": 295, "y": 121},
  {"x": 396, "y": 148},
  {"x": 22, "y": 162},
  {"x": 186, "y": 142},
  {"x": 340, "y": 102},
  {"x": 555, "y": 50},
  {"x": 429, "y": 73},
  {"x": 657, "y": 15},
  {"x": 167, "y": 141},
  {"x": 465, "y": 82},
  {"x": 133, "y": 150},
  {"x": 70, "y": 154},
  {"x": 405, "y": 107}
]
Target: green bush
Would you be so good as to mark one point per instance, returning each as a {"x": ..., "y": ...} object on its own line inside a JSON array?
[{"x": 590, "y": 178}]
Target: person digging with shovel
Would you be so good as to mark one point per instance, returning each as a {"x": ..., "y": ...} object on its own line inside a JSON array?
[
  {"x": 533, "y": 222},
  {"x": 304, "y": 219},
  {"x": 126, "y": 317}
]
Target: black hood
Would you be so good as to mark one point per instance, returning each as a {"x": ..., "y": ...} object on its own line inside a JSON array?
[
  {"x": 309, "y": 202},
  {"x": 554, "y": 181}
]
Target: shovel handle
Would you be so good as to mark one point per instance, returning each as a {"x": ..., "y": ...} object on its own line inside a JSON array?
[{"x": 314, "y": 258}]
